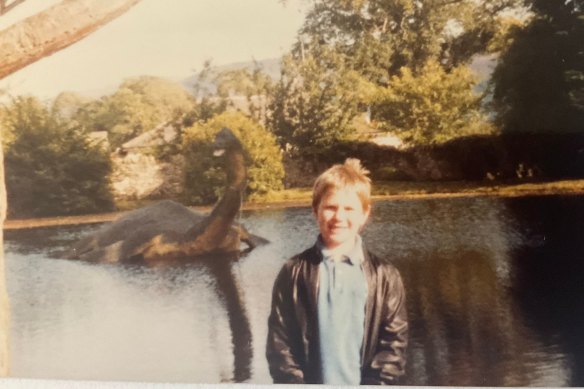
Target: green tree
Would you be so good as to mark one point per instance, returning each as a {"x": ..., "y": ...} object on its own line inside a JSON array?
[
  {"x": 538, "y": 84},
  {"x": 350, "y": 52},
  {"x": 139, "y": 105},
  {"x": 217, "y": 91},
  {"x": 315, "y": 102},
  {"x": 208, "y": 103},
  {"x": 243, "y": 89},
  {"x": 255, "y": 86},
  {"x": 68, "y": 104},
  {"x": 204, "y": 174},
  {"x": 379, "y": 37},
  {"x": 433, "y": 107},
  {"x": 52, "y": 168}
]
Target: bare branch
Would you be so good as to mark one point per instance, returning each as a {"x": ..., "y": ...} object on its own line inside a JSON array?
[
  {"x": 54, "y": 29},
  {"x": 5, "y": 6}
]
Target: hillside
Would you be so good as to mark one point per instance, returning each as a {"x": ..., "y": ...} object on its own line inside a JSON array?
[{"x": 270, "y": 66}]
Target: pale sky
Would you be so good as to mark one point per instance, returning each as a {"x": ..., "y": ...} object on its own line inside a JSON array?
[{"x": 165, "y": 38}]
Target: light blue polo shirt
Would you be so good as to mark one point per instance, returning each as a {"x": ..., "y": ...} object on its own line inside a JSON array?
[{"x": 341, "y": 314}]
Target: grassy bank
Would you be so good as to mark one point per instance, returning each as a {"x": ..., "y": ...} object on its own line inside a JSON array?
[
  {"x": 411, "y": 190},
  {"x": 381, "y": 191}
]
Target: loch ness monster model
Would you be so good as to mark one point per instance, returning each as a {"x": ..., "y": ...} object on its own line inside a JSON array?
[{"x": 168, "y": 230}]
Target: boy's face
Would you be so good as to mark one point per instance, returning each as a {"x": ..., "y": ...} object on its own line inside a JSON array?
[{"x": 340, "y": 216}]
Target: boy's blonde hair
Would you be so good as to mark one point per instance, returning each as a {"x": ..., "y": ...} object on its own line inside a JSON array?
[{"x": 348, "y": 175}]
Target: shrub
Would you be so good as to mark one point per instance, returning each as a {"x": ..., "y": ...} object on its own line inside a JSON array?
[
  {"x": 52, "y": 168},
  {"x": 204, "y": 174}
]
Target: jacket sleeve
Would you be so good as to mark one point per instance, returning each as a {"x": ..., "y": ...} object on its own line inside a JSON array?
[
  {"x": 388, "y": 363},
  {"x": 282, "y": 348}
]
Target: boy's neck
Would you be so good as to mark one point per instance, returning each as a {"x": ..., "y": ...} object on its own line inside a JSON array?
[{"x": 338, "y": 252}]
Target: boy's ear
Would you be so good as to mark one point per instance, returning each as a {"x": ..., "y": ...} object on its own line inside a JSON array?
[
  {"x": 367, "y": 214},
  {"x": 365, "y": 219}
]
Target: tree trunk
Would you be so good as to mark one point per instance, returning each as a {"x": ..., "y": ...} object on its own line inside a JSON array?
[
  {"x": 4, "y": 309},
  {"x": 54, "y": 29},
  {"x": 22, "y": 44},
  {"x": 7, "y": 7}
]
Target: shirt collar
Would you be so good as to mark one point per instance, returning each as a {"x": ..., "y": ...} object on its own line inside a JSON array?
[{"x": 354, "y": 255}]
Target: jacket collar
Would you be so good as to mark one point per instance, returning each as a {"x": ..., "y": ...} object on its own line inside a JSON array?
[{"x": 354, "y": 255}]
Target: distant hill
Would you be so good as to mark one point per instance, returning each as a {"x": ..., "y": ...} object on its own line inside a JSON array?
[
  {"x": 482, "y": 66},
  {"x": 269, "y": 66}
]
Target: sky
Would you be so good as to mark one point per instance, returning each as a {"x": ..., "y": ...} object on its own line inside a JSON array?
[{"x": 165, "y": 38}]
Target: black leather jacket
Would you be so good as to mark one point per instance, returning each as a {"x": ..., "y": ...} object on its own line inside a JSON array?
[{"x": 292, "y": 348}]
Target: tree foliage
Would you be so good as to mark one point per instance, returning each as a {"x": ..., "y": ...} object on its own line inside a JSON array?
[
  {"x": 315, "y": 102},
  {"x": 139, "y": 105},
  {"x": 68, "y": 104},
  {"x": 351, "y": 53},
  {"x": 538, "y": 84},
  {"x": 433, "y": 107},
  {"x": 379, "y": 37},
  {"x": 204, "y": 174},
  {"x": 247, "y": 90},
  {"x": 255, "y": 86},
  {"x": 52, "y": 167}
]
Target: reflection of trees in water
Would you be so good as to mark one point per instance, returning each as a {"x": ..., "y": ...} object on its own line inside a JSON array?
[
  {"x": 464, "y": 330},
  {"x": 549, "y": 272},
  {"x": 466, "y": 326}
]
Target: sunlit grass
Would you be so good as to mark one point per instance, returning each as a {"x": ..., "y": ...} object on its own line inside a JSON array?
[
  {"x": 293, "y": 194},
  {"x": 410, "y": 189}
]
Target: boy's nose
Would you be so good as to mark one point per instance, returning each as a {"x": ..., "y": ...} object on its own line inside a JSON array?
[{"x": 340, "y": 213}]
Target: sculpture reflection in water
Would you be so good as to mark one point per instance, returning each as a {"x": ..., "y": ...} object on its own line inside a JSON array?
[
  {"x": 221, "y": 269},
  {"x": 231, "y": 294}
]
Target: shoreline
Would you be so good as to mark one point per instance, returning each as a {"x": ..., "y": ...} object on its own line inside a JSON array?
[{"x": 416, "y": 191}]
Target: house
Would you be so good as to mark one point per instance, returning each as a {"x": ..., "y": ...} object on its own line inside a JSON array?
[{"x": 138, "y": 174}]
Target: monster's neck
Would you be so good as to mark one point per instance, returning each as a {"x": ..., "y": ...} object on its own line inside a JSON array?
[
  {"x": 235, "y": 168},
  {"x": 215, "y": 227}
]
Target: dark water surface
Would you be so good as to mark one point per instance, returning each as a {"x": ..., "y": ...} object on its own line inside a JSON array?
[{"x": 495, "y": 298}]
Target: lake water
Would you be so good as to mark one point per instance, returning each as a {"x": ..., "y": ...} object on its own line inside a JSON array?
[{"x": 494, "y": 290}]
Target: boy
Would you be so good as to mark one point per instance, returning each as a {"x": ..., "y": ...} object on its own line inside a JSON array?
[{"x": 338, "y": 312}]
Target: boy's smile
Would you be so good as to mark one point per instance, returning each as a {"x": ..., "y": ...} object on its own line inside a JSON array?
[{"x": 340, "y": 216}]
